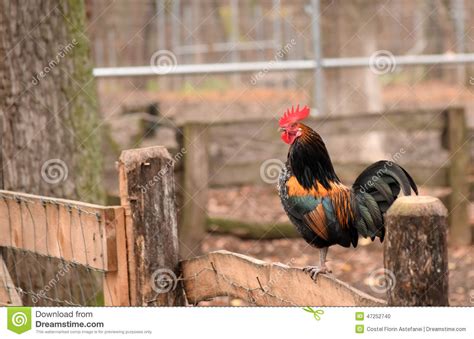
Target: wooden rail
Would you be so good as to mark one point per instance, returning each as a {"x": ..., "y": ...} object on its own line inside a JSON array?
[
  {"x": 71, "y": 230},
  {"x": 259, "y": 283},
  {"x": 77, "y": 232}
]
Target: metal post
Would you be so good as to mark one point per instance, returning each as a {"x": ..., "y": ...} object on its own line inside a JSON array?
[
  {"x": 197, "y": 28},
  {"x": 160, "y": 36},
  {"x": 176, "y": 35},
  {"x": 458, "y": 16},
  {"x": 112, "y": 50},
  {"x": 175, "y": 26},
  {"x": 277, "y": 24},
  {"x": 160, "y": 24},
  {"x": 318, "y": 89},
  {"x": 276, "y": 9},
  {"x": 234, "y": 7},
  {"x": 259, "y": 32}
]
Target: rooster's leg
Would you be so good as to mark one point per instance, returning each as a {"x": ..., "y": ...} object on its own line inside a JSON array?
[{"x": 315, "y": 270}]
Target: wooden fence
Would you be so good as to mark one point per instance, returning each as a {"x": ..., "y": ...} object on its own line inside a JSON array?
[
  {"x": 433, "y": 145},
  {"x": 135, "y": 246},
  {"x": 73, "y": 232}
]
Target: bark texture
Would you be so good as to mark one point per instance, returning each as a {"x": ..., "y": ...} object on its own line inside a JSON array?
[{"x": 48, "y": 100}]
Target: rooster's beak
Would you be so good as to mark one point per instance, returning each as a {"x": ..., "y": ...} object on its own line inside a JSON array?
[{"x": 281, "y": 129}]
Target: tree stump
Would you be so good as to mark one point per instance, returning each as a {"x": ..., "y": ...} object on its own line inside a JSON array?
[{"x": 415, "y": 252}]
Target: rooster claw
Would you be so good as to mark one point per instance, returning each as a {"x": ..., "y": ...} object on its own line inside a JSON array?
[{"x": 315, "y": 270}]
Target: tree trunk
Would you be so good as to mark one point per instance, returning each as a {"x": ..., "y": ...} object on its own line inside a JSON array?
[
  {"x": 47, "y": 101},
  {"x": 50, "y": 136}
]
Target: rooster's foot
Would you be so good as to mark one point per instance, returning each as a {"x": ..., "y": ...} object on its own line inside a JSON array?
[{"x": 315, "y": 270}]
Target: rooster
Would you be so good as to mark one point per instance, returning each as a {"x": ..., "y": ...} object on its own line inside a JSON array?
[{"x": 324, "y": 211}]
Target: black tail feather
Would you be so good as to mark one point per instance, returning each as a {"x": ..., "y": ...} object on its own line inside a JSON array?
[{"x": 376, "y": 188}]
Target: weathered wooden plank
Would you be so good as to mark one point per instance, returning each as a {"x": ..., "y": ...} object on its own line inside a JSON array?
[
  {"x": 65, "y": 229},
  {"x": 262, "y": 135},
  {"x": 225, "y": 273},
  {"x": 194, "y": 187},
  {"x": 401, "y": 119},
  {"x": 116, "y": 288},
  {"x": 147, "y": 192},
  {"x": 252, "y": 230},
  {"x": 416, "y": 252},
  {"x": 426, "y": 175},
  {"x": 458, "y": 177},
  {"x": 249, "y": 173},
  {"x": 8, "y": 294}
]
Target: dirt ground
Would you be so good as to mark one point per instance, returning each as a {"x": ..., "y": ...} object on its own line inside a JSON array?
[{"x": 351, "y": 265}]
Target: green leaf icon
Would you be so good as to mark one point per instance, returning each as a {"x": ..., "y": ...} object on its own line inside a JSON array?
[{"x": 19, "y": 319}]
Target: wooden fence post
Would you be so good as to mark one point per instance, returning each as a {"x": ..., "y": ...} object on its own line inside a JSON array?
[
  {"x": 194, "y": 187},
  {"x": 147, "y": 193},
  {"x": 116, "y": 288},
  {"x": 460, "y": 230},
  {"x": 415, "y": 252}
]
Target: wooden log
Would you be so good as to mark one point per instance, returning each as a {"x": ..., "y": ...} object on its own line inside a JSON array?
[
  {"x": 224, "y": 273},
  {"x": 415, "y": 252},
  {"x": 458, "y": 174},
  {"x": 194, "y": 190},
  {"x": 147, "y": 193}
]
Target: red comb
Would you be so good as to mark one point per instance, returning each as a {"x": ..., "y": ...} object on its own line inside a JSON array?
[{"x": 292, "y": 116}]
